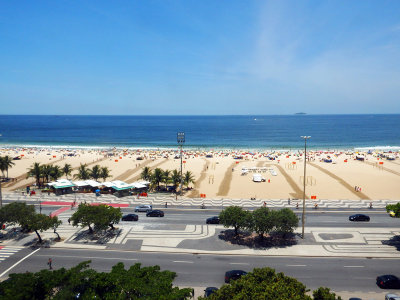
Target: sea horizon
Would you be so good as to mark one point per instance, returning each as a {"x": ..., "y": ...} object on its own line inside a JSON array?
[{"x": 221, "y": 132}]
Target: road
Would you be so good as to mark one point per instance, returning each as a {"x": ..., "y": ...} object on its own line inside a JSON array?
[
  {"x": 319, "y": 218},
  {"x": 340, "y": 274}
]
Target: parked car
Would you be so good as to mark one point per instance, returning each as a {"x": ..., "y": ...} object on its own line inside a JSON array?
[
  {"x": 388, "y": 282},
  {"x": 212, "y": 220},
  {"x": 143, "y": 208},
  {"x": 130, "y": 217},
  {"x": 234, "y": 275},
  {"x": 211, "y": 290},
  {"x": 359, "y": 217},
  {"x": 392, "y": 297},
  {"x": 155, "y": 213}
]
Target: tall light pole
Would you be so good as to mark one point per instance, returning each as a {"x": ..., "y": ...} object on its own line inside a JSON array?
[
  {"x": 181, "y": 141},
  {"x": 304, "y": 186}
]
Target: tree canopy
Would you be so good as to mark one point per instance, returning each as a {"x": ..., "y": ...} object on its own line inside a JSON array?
[
  {"x": 100, "y": 216},
  {"x": 26, "y": 216},
  {"x": 236, "y": 217},
  {"x": 394, "y": 208},
  {"x": 85, "y": 283},
  {"x": 265, "y": 283}
]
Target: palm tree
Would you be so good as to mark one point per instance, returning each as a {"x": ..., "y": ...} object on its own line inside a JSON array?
[
  {"x": 166, "y": 177},
  {"x": 67, "y": 169},
  {"x": 2, "y": 168},
  {"x": 83, "y": 172},
  {"x": 35, "y": 171},
  {"x": 157, "y": 177},
  {"x": 46, "y": 171},
  {"x": 95, "y": 172},
  {"x": 175, "y": 178},
  {"x": 56, "y": 172},
  {"x": 188, "y": 178},
  {"x": 146, "y": 173},
  {"x": 104, "y": 173},
  {"x": 5, "y": 163}
]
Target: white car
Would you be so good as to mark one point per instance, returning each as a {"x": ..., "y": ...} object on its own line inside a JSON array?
[
  {"x": 143, "y": 208},
  {"x": 392, "y": 297}
]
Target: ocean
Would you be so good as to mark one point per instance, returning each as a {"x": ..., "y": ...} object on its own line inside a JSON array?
[{"x": 275, "y": 132}]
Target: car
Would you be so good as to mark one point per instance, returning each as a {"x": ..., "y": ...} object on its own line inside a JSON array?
[
  {"x": 155, "y": 213},
  {"x": 359, "y": 217},
  {"x": 130, "y": 217},
  {"x": 234, "y": 275},
  {"x": 212, "y": 220},
  {"x": 143, "y": 208},
  {"x": 392, "y": 297},
  {"x": 210, "y": 290},
  {"x": 392, "y": 213},
  {"x": 388, "y": 282}
]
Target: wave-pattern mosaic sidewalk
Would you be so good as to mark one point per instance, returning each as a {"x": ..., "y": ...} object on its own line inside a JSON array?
[{"x": 160, "y": 200}]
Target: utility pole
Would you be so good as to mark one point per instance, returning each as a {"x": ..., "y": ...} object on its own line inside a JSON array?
[
  {"x": 303, "y": 216},
  {"x": 181, "y": 141}
]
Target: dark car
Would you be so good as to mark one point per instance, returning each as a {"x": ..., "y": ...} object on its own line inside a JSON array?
[
  {"x": 234, "y": 275},
  {"x": 388, "y": 282},
  {"x": 212, "y": 220},
  {"x": 155, "y": 213},
  {"x": 130, "y": 217},
  {"x": 210, "y": 290},
  {"x": 359, "y": 217}
]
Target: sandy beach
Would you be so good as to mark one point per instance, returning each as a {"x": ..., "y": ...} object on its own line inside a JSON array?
[{"x": 219, "y": 175}]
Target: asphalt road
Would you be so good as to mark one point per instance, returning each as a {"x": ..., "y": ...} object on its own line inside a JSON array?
[
  {"x": 340, "y": 274},
  {"x": 319, "y": 218}
]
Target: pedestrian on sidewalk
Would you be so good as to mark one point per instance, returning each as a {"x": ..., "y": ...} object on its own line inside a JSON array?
[
  {"x": 288, "y": 201},
  {"x": 49, "y": 264},
  {"x": 69, "y": 220}
]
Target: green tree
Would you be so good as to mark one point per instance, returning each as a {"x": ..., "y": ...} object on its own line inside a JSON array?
[
  {"x": 134, "y": 283},
  {"x": 263, "y": 221},
  {"x": 236, "y": 217},
  {"x": 26, "y": 216},
  {"x": 324, "y": 293},
  {"x": 188, "y": 178},
  {"x": 263, "y": 283},
  {"x": 67, "y": 169},
  {"x": 395, "y": 208},
  {"x": 286, "y": 221},
  {"x": 56, "y": 172},
  {"x": 166, "y": 177},
  {"x": 157, "y": 177},
  {"x": 6, "y": 162},
  {"x": 95, "y": 172},
  {"x": 35, "y": 171},
  {"x": 46, "y": 172},
  {"x": 146, "y": 173},
  {"x": 101, "y": 216},
  {"x": 175, "y": 178},
  {"x": 83, "y": 172},
  {"x": 104, "y": 173},
  {"x": 40, "y": 222},
  {"x": 16, "y": 213}
]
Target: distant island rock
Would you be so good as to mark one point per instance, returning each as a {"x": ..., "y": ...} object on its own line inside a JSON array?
[{"x": 300, "y": 113}]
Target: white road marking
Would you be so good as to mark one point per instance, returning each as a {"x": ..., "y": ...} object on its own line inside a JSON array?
[
  {"x": 239, "y": 264},
  {"x": 183, "y": 261},
  {"x": 353, "y": 266},
  {"x": 92, "y": 257},
  {"x": 17, "y": 263},
  {"x": 296, "y": 265}
]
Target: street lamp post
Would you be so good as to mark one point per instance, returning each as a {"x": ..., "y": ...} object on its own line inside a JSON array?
[
  {"x": 181, "y": 141},
  {"x": 304, "y": 186}
]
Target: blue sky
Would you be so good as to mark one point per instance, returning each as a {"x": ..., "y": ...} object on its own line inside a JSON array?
[{"x": 199, "y": 57}]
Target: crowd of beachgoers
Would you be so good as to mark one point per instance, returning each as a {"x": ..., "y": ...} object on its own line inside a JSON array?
[{"x": 331, "y": 174}]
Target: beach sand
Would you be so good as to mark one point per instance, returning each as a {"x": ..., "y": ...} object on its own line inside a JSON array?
[{"x": 220, "y": 176}]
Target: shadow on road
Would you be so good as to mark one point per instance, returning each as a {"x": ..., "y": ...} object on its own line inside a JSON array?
[
  {"x": 254, "y": 241},
  {"x": 393, "y": 241}
]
